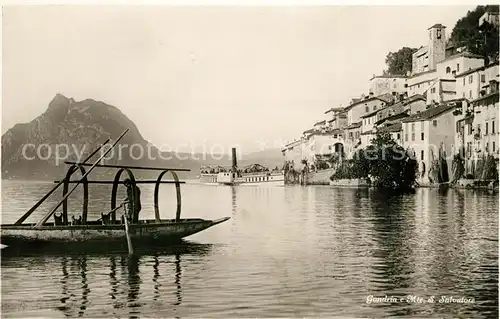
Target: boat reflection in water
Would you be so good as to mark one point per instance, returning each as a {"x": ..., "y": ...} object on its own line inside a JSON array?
[{"x": 132, "y": 281}]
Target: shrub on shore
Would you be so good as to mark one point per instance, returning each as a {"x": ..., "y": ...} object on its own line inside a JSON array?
[{"x": 384, "y": 162}]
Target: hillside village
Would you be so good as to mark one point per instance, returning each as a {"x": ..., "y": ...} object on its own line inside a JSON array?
[{"x": 447, "y": 103}]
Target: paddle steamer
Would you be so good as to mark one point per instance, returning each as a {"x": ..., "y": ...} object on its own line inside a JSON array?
[{"x": 252, "y": 175}]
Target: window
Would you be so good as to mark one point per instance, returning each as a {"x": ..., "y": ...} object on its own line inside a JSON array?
[
  {"x": 433, "y": 90},
  {"x": 413, "y": 127},
  {"x": 458, "y": 67},
  {"x": 493, "y": 147},
  {"x": 483, "y": 78},
  {"x": 464, "y": 81},
  {"x": 486, "y": 148},
  {"x": 367, "y": 109},
  {"x": 492, "y": 127},
  {"x": 422, "y": 155},
  {"x": 486, "y": 129},
  {"x": 470, "y": 94},
  {"x": 463, "y": 95},
  {"x": 399, "y": 136},
  {"x": 448, "y": 70},
  {"x": 406, "y": 137},
  {"x": 470, "y": 79},
  {"x": 434, "y": 123},
  {"x": 374, "y": 107},
  {"x": 438, "y": 33},
  {"x": 422, "y": 136},
  {"x": 413, "y": 136}
]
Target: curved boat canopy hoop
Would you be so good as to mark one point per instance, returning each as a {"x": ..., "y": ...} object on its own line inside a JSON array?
[
  {"x": 71, "y": 170},
  {"x": 177, "y": 190},
  {"x": 115, "y": 189}
]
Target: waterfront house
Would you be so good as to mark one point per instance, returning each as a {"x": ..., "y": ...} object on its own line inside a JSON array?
[
  {"x": 324, "y": 146},
  {"x": 477, "y": 122},
  {"x": 485, "y": 120},
  {"x": 352, "y": 139},
  {"x": 294, "y": 152},
  {"x": 368, "y": 127},
  {"x": 427, "y": 132}
]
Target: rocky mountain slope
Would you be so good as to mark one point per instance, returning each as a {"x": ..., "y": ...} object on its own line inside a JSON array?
[{"x": 82, "y": 126}]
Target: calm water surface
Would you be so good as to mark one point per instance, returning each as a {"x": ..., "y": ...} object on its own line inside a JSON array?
[{"x": 285, "y": 252}]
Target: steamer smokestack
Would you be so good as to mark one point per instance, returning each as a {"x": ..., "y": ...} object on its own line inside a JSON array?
[{"x": 235, "y": 164}]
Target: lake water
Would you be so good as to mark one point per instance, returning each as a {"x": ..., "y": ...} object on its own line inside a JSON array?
[{"x": 285, "y": 252}]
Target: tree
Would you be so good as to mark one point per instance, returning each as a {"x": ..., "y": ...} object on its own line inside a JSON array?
[
  {"x": 392, "y": 167},
  {"x": 478, "y": 40},
  {"x": 387, "y": 163},
  {"x": 400, "y": 62}
]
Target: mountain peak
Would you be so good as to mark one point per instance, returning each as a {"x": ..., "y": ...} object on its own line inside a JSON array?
[{"x": 59, "y": 103}]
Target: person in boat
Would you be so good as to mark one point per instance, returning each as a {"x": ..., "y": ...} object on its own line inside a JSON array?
[{"x": 134, "y": 200}]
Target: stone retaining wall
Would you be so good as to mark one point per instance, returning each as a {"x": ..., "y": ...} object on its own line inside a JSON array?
[{"x": 349, "y": 183}]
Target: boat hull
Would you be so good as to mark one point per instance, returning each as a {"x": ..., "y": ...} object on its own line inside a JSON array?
[{"x": 144, "y": 233}]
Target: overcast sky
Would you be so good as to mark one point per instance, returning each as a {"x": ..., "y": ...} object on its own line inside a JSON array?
[{"x": 240, "y": 75}]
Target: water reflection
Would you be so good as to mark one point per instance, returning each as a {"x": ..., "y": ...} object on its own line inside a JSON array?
[
  {"x": 113, "y": 281},
  {"x": 288, "y": 252},
  {"x": 134, "y": 284},
  {"x": 125, "y": 288},
  {"x": 393, "y": 266},
  {"x": 156, "y": 276},
  {"x": 233, "y": 199},
  {"x": 178, "y": 274},
  {"x": 82, "y": 263}
]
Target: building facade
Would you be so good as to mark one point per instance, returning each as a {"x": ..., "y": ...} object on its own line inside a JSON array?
[
  {"x": 367, "y": 105},
  {"x": 391, "y": 84},
  {"x": 428, "y": 133}
]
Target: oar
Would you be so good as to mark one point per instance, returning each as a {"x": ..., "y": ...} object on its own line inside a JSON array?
[
  {"x": 47, "y": 216},
  {"x": 29, "y": 212},
  {"x": 127, "y": 233}
]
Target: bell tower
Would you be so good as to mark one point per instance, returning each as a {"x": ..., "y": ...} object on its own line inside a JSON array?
[{"x": 437, "y": 45}]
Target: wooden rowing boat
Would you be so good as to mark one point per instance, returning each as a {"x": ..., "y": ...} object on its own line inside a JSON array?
[
  {"x": 145, "y": 232},
  {"x": 108, "y": 230}
]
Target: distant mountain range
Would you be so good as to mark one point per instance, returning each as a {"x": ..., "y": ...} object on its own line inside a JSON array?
[{"x": 84, "y": 126}]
